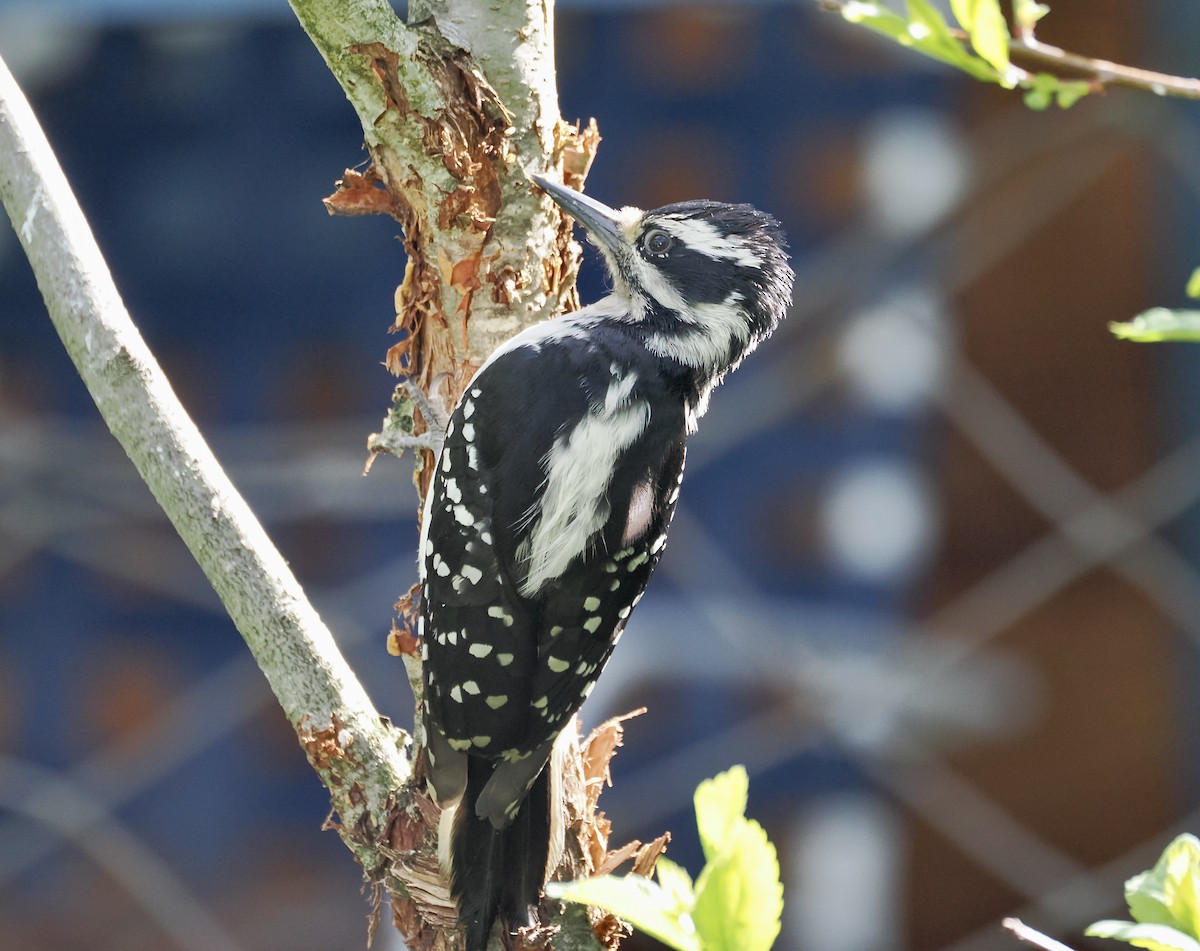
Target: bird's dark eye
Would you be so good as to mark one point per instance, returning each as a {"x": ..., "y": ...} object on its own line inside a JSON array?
[{"x": 658, "y": 241}]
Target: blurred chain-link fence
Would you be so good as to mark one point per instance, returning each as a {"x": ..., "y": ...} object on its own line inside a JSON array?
[{"x": 934, "y": 573}]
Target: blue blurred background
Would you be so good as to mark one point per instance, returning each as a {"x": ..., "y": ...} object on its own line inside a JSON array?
[{"x": 933, "y": 578}]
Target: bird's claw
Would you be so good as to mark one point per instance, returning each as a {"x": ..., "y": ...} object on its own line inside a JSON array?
[{"x": 399, "y": 426}]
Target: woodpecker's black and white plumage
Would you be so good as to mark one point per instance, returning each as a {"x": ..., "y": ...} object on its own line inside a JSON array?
[{"x": 549, "y": 510}]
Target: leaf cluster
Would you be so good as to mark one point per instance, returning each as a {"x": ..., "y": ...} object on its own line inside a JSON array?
[
  {"x": 985, "y": 52},
  {"x": 1162, "y": 323},
  {"x": 735, "y": 904},
  {"x": 1164, "y": 903}
]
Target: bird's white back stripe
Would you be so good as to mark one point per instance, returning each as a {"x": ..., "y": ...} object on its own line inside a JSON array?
[{"x": 579, "y": 468}]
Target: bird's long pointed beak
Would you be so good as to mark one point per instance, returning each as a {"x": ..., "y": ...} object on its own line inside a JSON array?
[{"x": 602, "y": 223}]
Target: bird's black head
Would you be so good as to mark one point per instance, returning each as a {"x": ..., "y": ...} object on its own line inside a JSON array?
[{"x": 704, "y": 281}]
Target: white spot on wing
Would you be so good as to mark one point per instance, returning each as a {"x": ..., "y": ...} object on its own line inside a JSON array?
[{"x": 501, "y": 614}]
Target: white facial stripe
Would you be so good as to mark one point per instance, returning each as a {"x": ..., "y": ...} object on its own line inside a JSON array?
[
  {"x": 714, "y": 327},
  {"x": 651, "y": 280},
  {"x": 724, "y": 320},
  {"x": 579, "y": 468},
  {"x": 704, "y": 237}
]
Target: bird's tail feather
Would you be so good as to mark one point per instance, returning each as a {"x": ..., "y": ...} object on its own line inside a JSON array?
[{"x": 498, "y": 873}]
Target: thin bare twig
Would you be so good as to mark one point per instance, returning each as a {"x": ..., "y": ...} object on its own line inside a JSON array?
[
  {"x": 1101, "y": 72},
  {"x": 1022, "y": 932}
]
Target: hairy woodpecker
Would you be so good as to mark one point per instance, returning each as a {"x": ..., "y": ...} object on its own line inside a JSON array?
[{"x": 549, "y": 510}]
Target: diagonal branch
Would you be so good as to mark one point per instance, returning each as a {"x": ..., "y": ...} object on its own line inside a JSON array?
[
  {"x": 1027, "y": 51},
  {"x": 358, "y": 756}
]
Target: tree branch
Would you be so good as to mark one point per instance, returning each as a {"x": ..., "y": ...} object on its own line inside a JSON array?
[
  {"x": 1032, "y": 52},
  {"x": 458, "y": 107},
  {"x": 1027, "y": 51},
  {"x": 358, "y": 756}
]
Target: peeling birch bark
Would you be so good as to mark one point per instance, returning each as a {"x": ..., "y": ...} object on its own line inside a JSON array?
[{"x": 457, "y": 108}]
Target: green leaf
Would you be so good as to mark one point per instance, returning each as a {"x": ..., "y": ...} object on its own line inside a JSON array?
[
  {"x": 735, "y": 905},
  {"x": 675, "y": 881},
  {"x": 1026, "y": 13},
  {"x": 1169, "y": 893},
  {"x": 1042, "y": 89},
  {"x": 1158, "y": 324},
  {"x": 984, "y": 22},
  {"x": 877, "y": 17},
  {"x": 1193, "y": 284},
  {"x": 721, "y": 809},
  {"x": 1152, "y": 937},
  {"x": 1070, "y": 91},
  {"x": 1039, "y": 91},
  {"x": 739, "y": 897},
  {"x": 927, "y": 15},
  {"x": 641, "y": 902},
  {"x": 929, "y": 33},
  {"x": 924, "y": 30}
]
